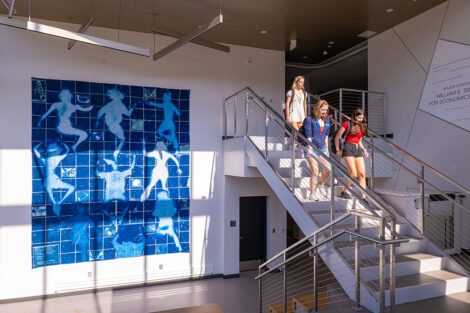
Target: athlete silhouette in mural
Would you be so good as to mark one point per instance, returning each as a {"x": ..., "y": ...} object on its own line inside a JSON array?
[
  {"x": 129, "y": 241},
  {"x": 115, "y": 180},
  {"x": 160, "y": 171},
  {"x": 113, "y": 113},
  {"x": 167, "y": 127},
  {"x": 51, "y": 161},
  {"x": 82, "y": 224},
  {"x": 164, "y": 211},
  {"x": 65, "y": 108}
]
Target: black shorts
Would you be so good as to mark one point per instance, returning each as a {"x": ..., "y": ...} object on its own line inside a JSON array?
[{"x": 352, "y": 150}]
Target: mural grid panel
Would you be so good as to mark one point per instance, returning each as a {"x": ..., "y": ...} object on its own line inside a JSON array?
[{"x": 111, "y": 168}]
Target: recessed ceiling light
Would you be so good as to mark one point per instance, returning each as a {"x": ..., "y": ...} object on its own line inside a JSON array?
[
  {"x": 263, "y": 32},
  {"x": 389, "y": 10},
  {"x": 329, "y": 46},
  {"x": 325, "y": 52},
  {"x": 305, "y": 57},
  {"x": 331, "y": 42}
]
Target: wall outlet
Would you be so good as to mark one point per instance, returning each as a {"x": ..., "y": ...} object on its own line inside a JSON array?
[
  {"x": 90, "y": 274},
  {"x": 160, "y": 267}
]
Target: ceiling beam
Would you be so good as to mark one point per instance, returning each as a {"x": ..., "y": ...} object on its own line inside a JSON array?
[
  {"x": 81, "y": 30},
  {"x": 59, "y": 32},
  {"x": 11, "y": 8},
  {"x": 198, "y": 41},
  {"x": 216, "y": 21}
]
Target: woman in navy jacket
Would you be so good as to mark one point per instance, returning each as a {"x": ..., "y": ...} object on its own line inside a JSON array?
[{"x": 317, "y": 129}]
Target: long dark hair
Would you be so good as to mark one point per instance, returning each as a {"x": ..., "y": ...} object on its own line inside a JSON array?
[{"x": 355, "y": 125}]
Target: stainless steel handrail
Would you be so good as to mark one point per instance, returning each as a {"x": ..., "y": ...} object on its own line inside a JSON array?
[
  {"x": 391, "y": 144},
  {"x": 377, "y": 241},
  {"x": 352, "y": 90},
  {"x": 406, "y": 169},
  {"x": 332, "y": 161}
]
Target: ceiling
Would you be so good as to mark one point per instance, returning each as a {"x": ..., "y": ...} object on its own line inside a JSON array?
[{"x": 313, "y": 23}]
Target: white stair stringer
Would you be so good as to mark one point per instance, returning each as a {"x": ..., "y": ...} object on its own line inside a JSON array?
[{"x": 335, "y": 262}]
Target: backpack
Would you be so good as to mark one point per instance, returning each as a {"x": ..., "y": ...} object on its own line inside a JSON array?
[{"x": 341, "y": 140}]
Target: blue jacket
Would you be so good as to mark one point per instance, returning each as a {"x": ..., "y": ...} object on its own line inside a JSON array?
[{"x": 312, "y": 130}]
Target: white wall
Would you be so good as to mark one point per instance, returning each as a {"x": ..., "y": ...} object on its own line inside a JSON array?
[
  {"x": 210, "y": 75},
  {"x": 236, "y": 187},
  {"x": 399, "y": 60}
]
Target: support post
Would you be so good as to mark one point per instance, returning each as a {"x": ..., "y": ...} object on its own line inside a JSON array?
[
  {"x": 246, "y": 113},
  {"x": 357, "y": 263},
  {"x": 266, "y": 124},
  {"x": 235, "y": 116},
  {"x": 260, "y": 287},
  {"x": 382, "y": 268},
  {"x": 315, "y": 275},
  {"x": 285, "y": 283},
  {"x": 332, "y": 197},
  {"x": 392, "y": 267},
  {"x": 421, "y": 197},
  {"x": 293, "y": 161},
  {"x": 341, "y": 106},
  {"x": 372, "y": 161}
]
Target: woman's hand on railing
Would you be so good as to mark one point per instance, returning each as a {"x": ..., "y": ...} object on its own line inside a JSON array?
[
  {"x": 339, "y": 153},
  {"x": 366, "y": 154}
]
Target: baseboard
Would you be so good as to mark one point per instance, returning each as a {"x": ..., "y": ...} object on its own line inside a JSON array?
[
  {"x": 123, "y": 287},
  {"x": 230, "y": 276}
]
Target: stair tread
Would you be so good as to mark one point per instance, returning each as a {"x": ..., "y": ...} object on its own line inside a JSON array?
[
  {"x": 399, "y": 258},
  {"x": 279, "y": 307},
  {"x": 419, "y": 279},
  {"x": 306, "y": 300}
]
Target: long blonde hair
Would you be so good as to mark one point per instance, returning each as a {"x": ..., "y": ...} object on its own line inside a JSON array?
[
  {"x": 296, "y": 80},
  {"x": 318, "y": 105}
]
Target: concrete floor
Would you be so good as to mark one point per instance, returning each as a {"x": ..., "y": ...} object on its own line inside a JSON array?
[{"x": 235, "y": 295}]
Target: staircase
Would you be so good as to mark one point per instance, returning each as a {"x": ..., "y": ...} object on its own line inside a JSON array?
[{"x": 377, "y": 257}]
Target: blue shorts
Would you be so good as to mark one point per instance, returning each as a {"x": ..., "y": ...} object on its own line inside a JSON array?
[{"x": 315, "y": 152}]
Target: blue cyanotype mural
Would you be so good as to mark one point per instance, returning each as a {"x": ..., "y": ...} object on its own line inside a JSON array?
[{"x": 111, "y": 168}]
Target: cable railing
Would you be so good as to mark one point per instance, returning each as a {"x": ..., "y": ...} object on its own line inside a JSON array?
[
  {"x": 247, "y": 115},
  {"x": 300, "y": 277},
  {"x": 434, "y": 204}
]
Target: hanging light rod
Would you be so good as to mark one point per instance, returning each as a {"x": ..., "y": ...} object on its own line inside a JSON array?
[
  {"x": 198, "y": 41},
  {"x": 59, "y": 32},
  {"x": 11, "y": 8},
  {"x": 81, "y": 30},
  {"x": 216, "y": 21}
]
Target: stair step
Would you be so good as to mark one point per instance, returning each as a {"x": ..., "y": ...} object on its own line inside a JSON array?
[
  {"x": 405, "y": 264},
  {"x": 414, "y": 287},
  {"x": 279, "y": 307},
  {"x": 306, "y": 301}
]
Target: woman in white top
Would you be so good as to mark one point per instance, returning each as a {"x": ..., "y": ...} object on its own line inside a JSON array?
[{"x": 296, "y": 103}]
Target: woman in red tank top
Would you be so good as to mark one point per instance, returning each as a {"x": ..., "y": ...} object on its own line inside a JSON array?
[{"x": 353, "y": 151}]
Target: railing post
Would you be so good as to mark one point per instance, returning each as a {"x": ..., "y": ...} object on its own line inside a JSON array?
[
  {"x": 392, "y": 267},
  {"x": 357, "y": 263},
  {"x": 421, "y": 197},
  {"x": 266, "y": 123},
  {"x": 235, "y": 116},
  {"x": 382, "y": 268},
  {"x": 246, "y": 113},
  {"x": 285, "y": 283},
  {"x": 341, "y": 106},
  {"x": 225, "y": 119},
  {"x": 260, "y": 287},
  {"x": 293, "y": 161},
  {"x": 332, "y": 196},
  {"x": 372, "y": 171},
  {"x": 315, "y": 275},
  {"x": 364, "y": 101}
]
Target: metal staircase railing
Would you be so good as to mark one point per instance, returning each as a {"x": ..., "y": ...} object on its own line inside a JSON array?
[
  {"x": 294, "y": 283},
  {"x": 247, "y": 115},
  {"x": 429, "y": 200}
]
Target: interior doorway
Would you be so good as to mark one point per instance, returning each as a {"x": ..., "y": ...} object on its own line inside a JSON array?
[{"x": 252, "y": 232}]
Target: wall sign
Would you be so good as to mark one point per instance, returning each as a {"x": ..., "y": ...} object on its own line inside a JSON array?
[
  {"x": 111, "y": 168},
  {"x": 446, "y": 93}
]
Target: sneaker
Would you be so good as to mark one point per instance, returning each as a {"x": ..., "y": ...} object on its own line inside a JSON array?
[
  {"x": 324, "y": 193},
  {"x": 314, "y": 195},
  {"x": 345, "y": 195}
]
